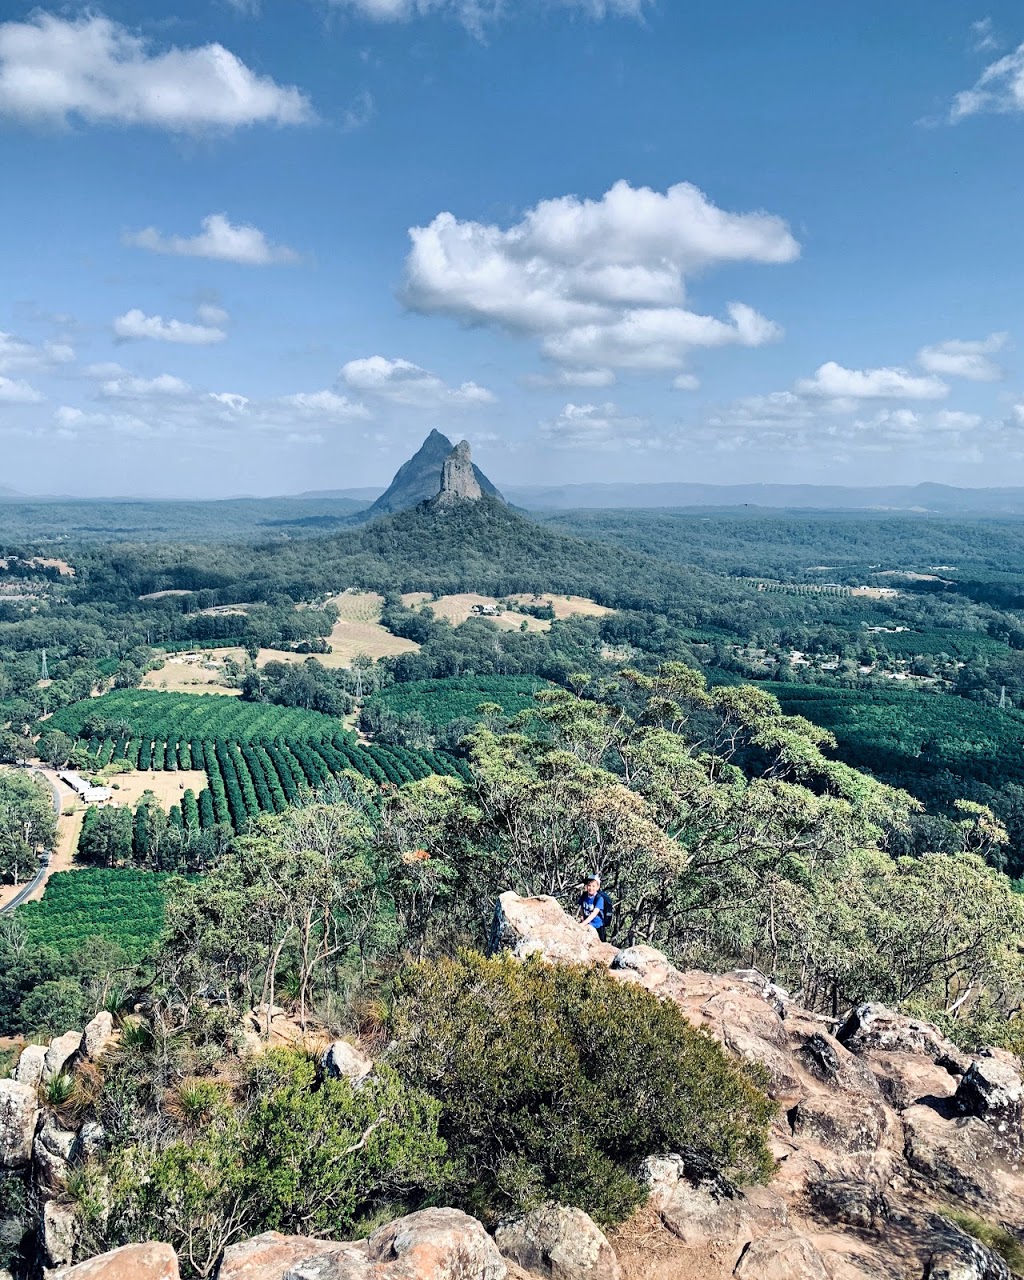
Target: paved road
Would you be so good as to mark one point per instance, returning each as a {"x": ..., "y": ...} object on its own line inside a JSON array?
[{"x": 44, "y": 867}]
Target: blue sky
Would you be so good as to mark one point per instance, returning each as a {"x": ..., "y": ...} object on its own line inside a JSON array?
[{"x": 266, "y": 247}]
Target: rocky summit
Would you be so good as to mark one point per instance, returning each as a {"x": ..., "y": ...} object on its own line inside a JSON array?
[
  {"x": 458, "y": 478},
  {"x": 421, "y": 478},
  {"x": 886, "y": 1135}
]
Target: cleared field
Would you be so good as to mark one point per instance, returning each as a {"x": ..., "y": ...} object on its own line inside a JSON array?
[
  {"x": 187, "y": 672},
  {"x": 357, "y": 631},
  {"x": 457, "y": 608},
  {"x": 566, "y": 606},
  {"x": 168, "y": 787}
]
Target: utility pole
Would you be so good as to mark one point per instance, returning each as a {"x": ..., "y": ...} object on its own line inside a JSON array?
[
  {"x": 44, "y": 673},
  {"x": 1002, "y": 698}
]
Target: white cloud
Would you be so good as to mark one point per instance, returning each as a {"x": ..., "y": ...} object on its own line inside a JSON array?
[
  {"x": 569, "y": 378},
  {"x": 957, "y": 358},
  {"x": 596, "y": 426},
  {"x": 983, "y": 36},
  {"x": 131, "y": 388},
  {"x": 685, "y": 382},
  {"x": 220, "y": 240},
  {"x": 325, "y": 404},
  {"x": 14, "y": 391},
  {"x": 601, "y": 283},
  {"x": 18, "y": 355},
  {"x": 834, "y": 382},
  {"x": 999, "y": 89},
  {"x": 54, "y": 69},
  {"x": 403, "y": 383},
  {"x": 135, "y": 324},
  {"x": 476, "y": 14},
  {"x": 209, "y": 314}
]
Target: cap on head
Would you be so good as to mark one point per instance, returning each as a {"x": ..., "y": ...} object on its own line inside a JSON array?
[{"x": 593, "y": 879}]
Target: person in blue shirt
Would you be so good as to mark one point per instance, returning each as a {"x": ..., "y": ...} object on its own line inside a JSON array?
[{"x": 591, "y": 909}]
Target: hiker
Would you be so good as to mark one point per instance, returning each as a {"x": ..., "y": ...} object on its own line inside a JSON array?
[{"x": 593, "y": 906}]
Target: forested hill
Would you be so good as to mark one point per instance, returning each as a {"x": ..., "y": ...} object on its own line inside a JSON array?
[{"x": 475, "y": 546}]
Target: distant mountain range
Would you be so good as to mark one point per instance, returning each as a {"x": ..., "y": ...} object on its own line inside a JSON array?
[
  {"x": 934, "y": 499},
  {"x": 419, "y": 479}
]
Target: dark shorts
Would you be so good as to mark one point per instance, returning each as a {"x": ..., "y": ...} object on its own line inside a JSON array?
[{"x": 601, "y": 933}]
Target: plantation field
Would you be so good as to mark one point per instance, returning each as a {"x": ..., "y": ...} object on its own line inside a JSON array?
[
  {"x": 193, "y": 672},
  {"x": 957, "y": 644},
  {"x": 173, "y": 717},
  {"x": 125, "y": 906},
  {"x": 439, "y": 702},
  {"x": 902, "y": 732}
]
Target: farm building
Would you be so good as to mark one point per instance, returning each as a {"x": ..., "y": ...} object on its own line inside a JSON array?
[{"x": 84, "y": 790}]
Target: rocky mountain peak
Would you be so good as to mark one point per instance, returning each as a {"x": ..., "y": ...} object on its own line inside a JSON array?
[
  {"x": 458, "y": 478},
  {"x": 421, "y": 478}
]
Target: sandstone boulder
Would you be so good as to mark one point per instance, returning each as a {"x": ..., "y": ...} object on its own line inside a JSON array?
[
  {"x": 19, "y": 1113},
  {"x": 30, "y": 1065},
  {"x": 270, "y": 1255},
  {"x": 51, "y": 1154},
  {"x": 60, "y": 1052},
  {"x": 781, "y": 1256},
  {"x": 539, "y": 926},
  {"x": 98, "y": 1035},
  {"x": 708, "y": 1214},
  {"x": 345, "y": 1060},
  {"x": 873, "y": 1026},
  {"x": 992, "y": 1090},
  {"x": 60, "y": 1232},
  {"x": 433, "y": 1244},
  {"x": 436, "y": 1244},
  {"x": 558, "y": 1243},
  {"x": 149, "y": 1261}
]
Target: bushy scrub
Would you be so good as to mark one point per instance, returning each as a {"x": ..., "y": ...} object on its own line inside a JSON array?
[
  {"x": 283, "y": 1148},
  {"x": 556, "y": 1081}
]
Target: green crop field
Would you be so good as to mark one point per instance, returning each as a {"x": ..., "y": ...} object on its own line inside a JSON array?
[
  {"x": 439, "y": 702},
  {"x": 902, "y": 732},
  {"x": 174, "y": 717},
  {"x": 123, "y": 906}
]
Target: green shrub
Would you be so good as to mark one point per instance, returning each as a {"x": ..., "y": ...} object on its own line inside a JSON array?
[
  {"x": 290, "y": 1150},
  {"x": 555, "y": 1082}
]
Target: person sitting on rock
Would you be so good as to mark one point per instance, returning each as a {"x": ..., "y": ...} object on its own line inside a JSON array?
[{"x": 592, "y": 909}]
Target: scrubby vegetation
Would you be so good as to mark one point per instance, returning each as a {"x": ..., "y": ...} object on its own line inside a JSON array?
[{"x": 555, "y": 1082}]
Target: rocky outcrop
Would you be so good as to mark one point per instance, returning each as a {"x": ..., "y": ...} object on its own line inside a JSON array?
[
  {"x": 51, "y": 1154},
  {"x": 30, "y": 1065},
  {"x": 149, "y": 1261},
  {"x": 539, "y": 926},
  {"x": 881, "y": 1121},
  {"x": 60, "y": 1053},
  {"x": 344, "y": 1060},
  {"x": 98, "y": 1035},
  {"x": 60, "y": 1233},
  {"x": 558, "y": 1243},
  {"x": 458, "y": 478},
  {"x": 419, "y": 479},
  {"x": 19, "y": 1114},
  {"x": 271, "y": 1255}
]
